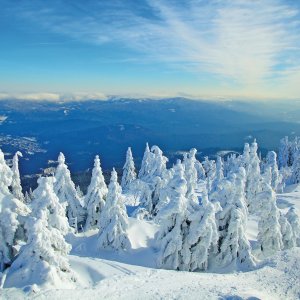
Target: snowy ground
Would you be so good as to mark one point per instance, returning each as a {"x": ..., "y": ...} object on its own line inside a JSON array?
[{"x": 132, "y": 275}]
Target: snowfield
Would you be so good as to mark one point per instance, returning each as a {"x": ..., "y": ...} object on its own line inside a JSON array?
[{"x": 132, "y": 274}]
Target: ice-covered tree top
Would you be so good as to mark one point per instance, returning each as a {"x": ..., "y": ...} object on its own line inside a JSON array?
[{"x": 5, "y": 175}]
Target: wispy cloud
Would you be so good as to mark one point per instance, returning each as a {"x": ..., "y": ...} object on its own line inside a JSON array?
[
  {"x": 253, "y": 44},
  {"x": 53, "y": 97}
]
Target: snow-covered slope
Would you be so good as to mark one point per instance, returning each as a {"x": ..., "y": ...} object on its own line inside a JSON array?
[{"x": 133, "y": 275}]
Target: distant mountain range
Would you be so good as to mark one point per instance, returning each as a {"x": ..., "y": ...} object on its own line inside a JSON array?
[{"x": 83, "y": 129}]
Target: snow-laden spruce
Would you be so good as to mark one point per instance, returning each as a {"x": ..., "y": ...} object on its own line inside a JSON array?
[
  {"x": 288, "y": 239},
  {"x": 95, "y": 197},
  {"x": 47, "y": 200},
  {"x": 202, "y": 235},
  {"x": 271, "y": 162},
  {"x": 190, "y": 173},
  {"x": 129, "y": 174},
  {"x": 12, "y": 217},
  {"x": 296, "y": 168},
  {"x": 253, "y": 181},
  {"x": 113, "y": 219},
  {"x": 65, "y": 189},
  {"x": 219, "y": 175},
  {"x": 233, "y": 245},
  {"x": 269, "y": 230},
  {"x": 173, "y": 218},
  {"x": 153, "y": 164},
  {"x": 5, "y": 176},
  {"x": 43, "y": 260},
  {"x": 294, "y": 220},
  {"x": 200, "y": 170},
  {"x": 16, "y": 181},
  {"x": 146, "y": 163}
]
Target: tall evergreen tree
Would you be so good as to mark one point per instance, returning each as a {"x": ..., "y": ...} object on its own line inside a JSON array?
[
  {"x": 113, "y": 220},
  {"x": 294, "y": 220},
  {"x": 234, "y": 246},
  {"x": 173, "y": 218},
  {"x": 95, "y": 197},
  {"x": 43, "y": 260},
  {"x": 65, "y": 189},
  {"x": 129, "y": 174},
  {"x": 16, "y": 181},
  {"x": 202, "y": 235},
  {"x": 269, "y": 231},
  {"x": 12, "y": 213}
]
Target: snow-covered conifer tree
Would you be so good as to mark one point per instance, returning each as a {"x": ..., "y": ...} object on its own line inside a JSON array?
[
  {"x": 113, "y": 220},
  {"x": 271, "y": 162},
  {"x": 46, "y": 200},
  {"x": 158, "y": 162},
  {"x": 200, "y": 170},
  {"x": 296, "y": 168},
  {"x": 5, "y": 176},
  {"x": 16, "y": 181},
  {"x": 245, "y": 157},
  {"x": 95, "y": 197},
  {"x": 209, "y": 167},
  {"x": 294, "y": 221},
  {"x": 190, "y": 173},
  {"x": 288, "y": 239},
  {"x": 65, "y": 189},
  {"x": 173, "y": 221},
  {"x": 202, "y": 234},
  {"x": 12, "y": 213},
  {"x": 234, "y": 246},
  {"x": 253, "y": 182},
  {"x": 285, "y": 153},
  {"x": 43, "y": 260},
  {"x": 128, "y": 171},
  {"x": 269, "y": 231},
  {"x": 219, "y": 175},
  {"x": 146, "y": 162}
]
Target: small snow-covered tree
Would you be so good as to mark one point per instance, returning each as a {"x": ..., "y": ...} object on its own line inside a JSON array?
[
  {"x": 190, "y": 173},
  {"x": 271, "y": 162},
  {"x": 285, "y": 153},
  {"x": 288, "y": 239},
  {"x": 269, "y": 231},
  {"x": 128, "y": 171},
  {"x": 219, "y": 175},
  {"x": 233, "y": 246},
  {"x": 16, "y": 181},
  {"x": 113, "y": 220},
  {"x": 173, "y": 223},
  {"x": 200, "y": 170},
  {"x": 95, "y": 197},
  {"x": 202, "y": 234},
  {"x": 253, "y": 180},
  {"x": 43, "y": 260},
  {"x": 47, "y": 200},
  {"x": 12, "y": 214},
  {"x": 296, "y": 168},
  {"x": 5, "y": 176},
  {"x": 65, "y": 189},
  {"x": 146, "y": 163},
  {"x": 209, "y": 167},
  {"x": 294, "y": 221}
]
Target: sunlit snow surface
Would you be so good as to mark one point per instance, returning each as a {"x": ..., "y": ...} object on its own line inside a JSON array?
[{"x": 132, "y": 274}]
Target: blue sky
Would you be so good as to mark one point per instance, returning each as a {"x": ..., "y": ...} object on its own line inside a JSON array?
[{"x": 197, "y": 48}]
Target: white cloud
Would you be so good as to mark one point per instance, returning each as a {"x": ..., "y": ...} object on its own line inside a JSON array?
[
  {"x": 53, "y": 97},
  {"x": 244, "y": 44}
]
